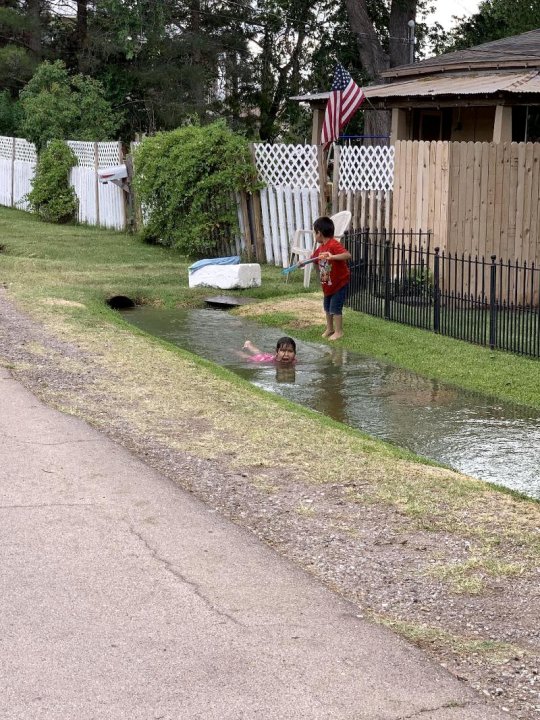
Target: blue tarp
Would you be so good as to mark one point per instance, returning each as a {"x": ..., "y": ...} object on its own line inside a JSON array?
[{"x": 232, "y": 260}]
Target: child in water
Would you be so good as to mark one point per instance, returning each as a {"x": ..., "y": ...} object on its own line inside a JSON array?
[{"x": 285, "y": 352}]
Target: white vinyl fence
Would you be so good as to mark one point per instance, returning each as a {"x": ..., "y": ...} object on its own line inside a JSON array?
[
  {"x": 17, "y": 164},
  {"x": 362, "y": 183},
  {"x": 291, "y": 199},
  {"x": 98, "y": 204}
]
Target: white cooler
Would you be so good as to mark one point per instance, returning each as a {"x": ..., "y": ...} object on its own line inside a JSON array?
[{"x": 226, "y": 277}]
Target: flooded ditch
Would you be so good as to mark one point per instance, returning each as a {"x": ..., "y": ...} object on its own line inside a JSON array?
[{"x": 479, "y": 436}]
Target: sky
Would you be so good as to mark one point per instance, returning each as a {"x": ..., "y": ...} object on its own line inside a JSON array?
[{"x": 447, "y": 8}]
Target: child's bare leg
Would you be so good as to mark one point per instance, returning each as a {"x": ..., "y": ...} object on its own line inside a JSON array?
[
  {"x": 338, "y": 325},
  {"x": 329, "y": 325}
]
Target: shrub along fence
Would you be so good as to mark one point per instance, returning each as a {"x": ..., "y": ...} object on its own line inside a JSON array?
[{"x": 487, "y": 301}]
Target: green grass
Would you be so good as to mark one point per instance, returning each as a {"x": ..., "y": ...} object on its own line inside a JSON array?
[{"x": 88, "y": 265}]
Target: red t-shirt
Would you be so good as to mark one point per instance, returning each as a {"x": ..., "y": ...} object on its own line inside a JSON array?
[{"x": 334, "y": 274}]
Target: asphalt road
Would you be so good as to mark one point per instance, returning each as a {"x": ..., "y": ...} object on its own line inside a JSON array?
[{"x": 122, "y": 596}]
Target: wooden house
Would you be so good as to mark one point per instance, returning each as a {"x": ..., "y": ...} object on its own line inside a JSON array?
[{"x": 487, "y": 93}]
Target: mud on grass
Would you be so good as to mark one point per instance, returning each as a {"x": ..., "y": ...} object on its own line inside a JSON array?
[{"x": 446, "y": 561}]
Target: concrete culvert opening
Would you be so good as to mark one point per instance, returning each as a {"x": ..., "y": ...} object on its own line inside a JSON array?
[{"x": 120, "y": 302}]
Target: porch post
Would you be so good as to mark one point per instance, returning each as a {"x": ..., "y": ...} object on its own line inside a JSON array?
[
  {"x": 399, "y": 126},
  {"x": 502, "y": 128},
  {"x": 316, "y": 125}
]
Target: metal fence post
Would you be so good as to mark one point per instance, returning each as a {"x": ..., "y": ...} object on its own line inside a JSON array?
[
  {"x": 492, "y": 304},
  {"x": 387, "y": 279},
  {"x": 436, "y": 293}
]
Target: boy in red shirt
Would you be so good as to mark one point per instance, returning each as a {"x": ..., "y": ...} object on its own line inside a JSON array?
[{"x": 334, "y": 274}]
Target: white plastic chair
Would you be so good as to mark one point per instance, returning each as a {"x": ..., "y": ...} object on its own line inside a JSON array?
[
  {"x": 300, "y": 250},
  {"x": 341, "y": 221}
]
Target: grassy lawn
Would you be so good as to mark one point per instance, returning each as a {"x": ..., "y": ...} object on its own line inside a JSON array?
[
  {"x": 87, "y": 265},
  {"x": 65, "y": 274}
]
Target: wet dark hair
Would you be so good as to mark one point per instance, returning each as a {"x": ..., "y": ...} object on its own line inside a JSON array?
[
  {"x": 285, "y": 342},
  {"x": 325, "y": 226}
]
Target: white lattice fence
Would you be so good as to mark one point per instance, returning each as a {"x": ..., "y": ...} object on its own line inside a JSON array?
[
  {"x": 364, "y": 180},
  {"x": 17, "y": 166},
  {"x": 24, "y": 167},
  {"x": 7, "y": 152},
  {"x": 366, "y": 168},
  {"x": 290, "y": 200},
  {"x": 98, "y": 204}
]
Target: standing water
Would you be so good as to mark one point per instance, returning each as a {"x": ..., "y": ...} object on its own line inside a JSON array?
[{"x": 481, "y": 437}]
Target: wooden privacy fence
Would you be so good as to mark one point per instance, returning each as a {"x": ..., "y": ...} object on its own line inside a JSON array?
[
  {"x": 99, "y": 204},
  {"x": 476, "y": 198},
  {"x": 298, "y": 189}
]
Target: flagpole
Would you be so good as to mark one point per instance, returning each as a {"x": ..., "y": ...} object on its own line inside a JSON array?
[
  {"x": 322, "y": 155},
  {"x": 344, "y": 99},
  {"x": 335, "y": 180}
]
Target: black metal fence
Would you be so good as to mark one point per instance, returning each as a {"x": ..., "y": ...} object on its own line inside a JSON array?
[{"x": 398, "y": 276}]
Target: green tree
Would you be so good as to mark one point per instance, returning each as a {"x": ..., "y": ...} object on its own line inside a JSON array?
[
  {"x": 494, "y": 20},
  {"x": 20, "y": 43},
  {"x": 59, "y": 106},
  {"x": 162, "y": 61},
  {"x": 10, "y": 114}
]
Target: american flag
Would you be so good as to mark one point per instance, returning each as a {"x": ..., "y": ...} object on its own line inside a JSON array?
[{"x": 345, "y": 99}]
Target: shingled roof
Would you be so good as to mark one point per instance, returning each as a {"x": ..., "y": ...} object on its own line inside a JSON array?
[{"x": 516, "y": 52}]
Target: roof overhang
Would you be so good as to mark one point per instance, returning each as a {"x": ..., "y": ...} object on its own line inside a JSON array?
[{"x": 470, "y": 88}]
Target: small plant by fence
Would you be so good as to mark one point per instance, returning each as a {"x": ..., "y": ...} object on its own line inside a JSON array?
[{"x": 492, "y": 302}]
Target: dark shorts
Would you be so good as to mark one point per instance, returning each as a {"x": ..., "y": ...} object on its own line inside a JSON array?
[{"x": 333, "y": 304}]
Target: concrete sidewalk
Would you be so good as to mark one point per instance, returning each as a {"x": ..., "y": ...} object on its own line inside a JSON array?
[{"x": 124, "y": 597}]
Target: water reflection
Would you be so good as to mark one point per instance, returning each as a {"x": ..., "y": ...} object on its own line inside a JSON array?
[
  {"x": 285, "y": 374},
  {"x": 483, "y": 438}
]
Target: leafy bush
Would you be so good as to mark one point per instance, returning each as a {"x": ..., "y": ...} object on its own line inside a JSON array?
[
  {"x": 419, "y": 280},
  {"x": 52, "y": 197},
  {"x": 186, "y": 179},
  {"x": 57, "y": 105}
]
